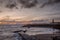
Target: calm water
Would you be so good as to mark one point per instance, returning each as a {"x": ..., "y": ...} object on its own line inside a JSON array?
[
  {"x": 30, "y": 31},
  {"x": 38, "y": 30},
  {"x": 8, "y": 31}
]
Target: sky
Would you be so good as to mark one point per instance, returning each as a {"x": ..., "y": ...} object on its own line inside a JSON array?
[{"x": 23, "y": 12}]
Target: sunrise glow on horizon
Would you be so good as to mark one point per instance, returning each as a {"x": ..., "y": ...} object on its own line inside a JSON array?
[{"x": 34, "y": 13}]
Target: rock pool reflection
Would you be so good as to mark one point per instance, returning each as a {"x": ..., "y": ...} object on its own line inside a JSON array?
[
  {"x": 35, "y": 31},
  {"x": 41, "y": 30}
]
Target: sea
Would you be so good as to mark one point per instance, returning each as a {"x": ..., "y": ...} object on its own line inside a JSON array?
[{"x": 29, "y": 31}]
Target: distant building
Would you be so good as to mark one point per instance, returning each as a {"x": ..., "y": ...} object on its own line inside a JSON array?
[{"x": 52, "y": 20}]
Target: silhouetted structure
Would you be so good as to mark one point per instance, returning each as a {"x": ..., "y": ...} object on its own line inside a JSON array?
[{"x": 52, "y": 20}]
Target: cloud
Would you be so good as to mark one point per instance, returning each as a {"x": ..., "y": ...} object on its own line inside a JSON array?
[
  {"x": 11, "y": 6},
  {"x": 57, "y": 18},
  {"x": 0, "y": 11},
  {"x": 14, "y": 3},
  {"x": 50, "y": 2},
  {"x": 54, "y": 14},
  {"x": 57, "y": 1},
  {"x": 28, "y": 3},
  {"x": 31, "y": 7}
]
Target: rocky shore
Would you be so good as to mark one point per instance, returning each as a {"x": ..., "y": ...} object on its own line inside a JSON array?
[{"x": 23, "y": 36}]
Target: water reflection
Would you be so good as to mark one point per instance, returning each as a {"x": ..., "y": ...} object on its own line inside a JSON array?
[
  {"x": 41, "y": 30},
  {"x": 34, "y": 31}
]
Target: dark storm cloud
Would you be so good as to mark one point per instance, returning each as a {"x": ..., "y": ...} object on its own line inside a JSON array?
[
  {"x": 32, "y": 3},
  {"x": 56, "y": 1},
  {"x": 50, "y": 2},
  {"x": 25, "y": 3},
  {"x": 11, "y": 5},
  {"x": 28, "y": 3},
  {"x": 8, "y": 3}
]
